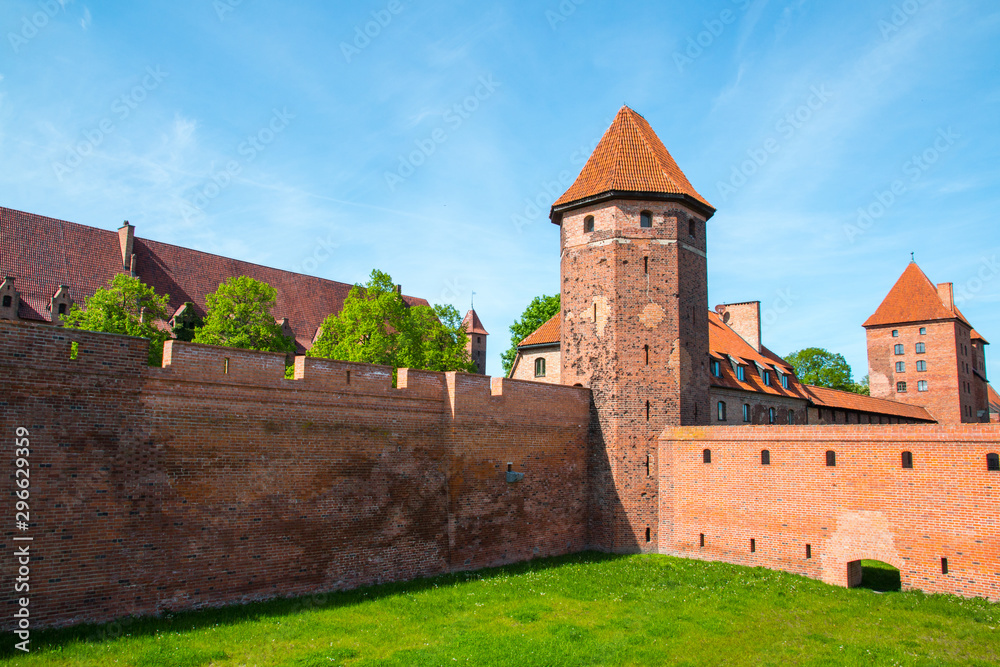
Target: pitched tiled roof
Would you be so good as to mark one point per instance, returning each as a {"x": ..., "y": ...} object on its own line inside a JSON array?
[
  {"x": 994, "y": 398},
  {"x": 473, "y": 325},
  {"x": 546, "y": 334},
  {"x": 844, "y": 400},
  {"x": 44, "y": 253},
  {"x": 630, "y": 158},
  {"x": 725, "y": 345},
  {"x": 913, "y": 298},
  {"x": 977, "y": 336}
]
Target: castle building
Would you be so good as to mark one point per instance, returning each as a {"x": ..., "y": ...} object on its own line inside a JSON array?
[
  {"x": 48, "y": 265},
  {"x": 476, "y": 347},
  {"x": 923, "y": 351}
]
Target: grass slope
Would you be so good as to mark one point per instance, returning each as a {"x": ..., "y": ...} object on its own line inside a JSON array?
[{"x": 588, "y": 609}]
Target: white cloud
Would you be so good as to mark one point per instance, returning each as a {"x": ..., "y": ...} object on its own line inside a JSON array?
[{"x": 87, "y": 19}]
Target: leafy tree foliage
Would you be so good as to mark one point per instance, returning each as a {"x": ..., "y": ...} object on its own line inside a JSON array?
[
  {"x": 376, "y": 326},
  {"x": 862, "y": 387},
  {"x": 127, "y": 306},
  {"x": 239, "y": 315},
  {"x": 821, "y": 368},
  {"x": 539, "y": 311}
]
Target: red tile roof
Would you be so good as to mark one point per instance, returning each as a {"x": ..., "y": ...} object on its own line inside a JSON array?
[
  {"x": 630, "y": 158},
  {"x": 43, "y": 253},
  {"x": 473, "y": 325},
  {"x": 913, "y": 298},
  {"x": 725, "y": 344},
  {"x": 844, "y": 400},
  {"x": 546, "y": 334},
  {"x": 994, "y": 398},
  {"x": 977, "y": 336}
]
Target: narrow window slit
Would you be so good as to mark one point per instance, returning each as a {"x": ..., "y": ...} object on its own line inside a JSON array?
[
  {"x": 753, "y": 545},
  {"x": 701, "y": 540}
]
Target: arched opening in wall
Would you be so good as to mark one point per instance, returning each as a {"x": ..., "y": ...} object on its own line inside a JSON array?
[
  {"x": 588, "y": 224},
  {"x": 873, "y": 575}
]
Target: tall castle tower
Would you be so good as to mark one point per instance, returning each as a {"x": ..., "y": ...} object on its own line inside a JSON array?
[
  {"x": 476, "y": 347},
  {"x": 634, "y": 320}
]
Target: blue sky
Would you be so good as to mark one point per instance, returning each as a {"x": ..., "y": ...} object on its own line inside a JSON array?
[{"x": 286, "y": 136}]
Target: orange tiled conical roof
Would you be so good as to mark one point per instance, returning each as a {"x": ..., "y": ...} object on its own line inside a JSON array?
[
  {"x": 630, "y": 158},
  {"x": 913, "y": 298},
  {"x": 473, "y": 325}
]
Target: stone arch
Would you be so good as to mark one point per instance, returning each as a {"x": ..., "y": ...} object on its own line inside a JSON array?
[{"x": 858, "y": 535}]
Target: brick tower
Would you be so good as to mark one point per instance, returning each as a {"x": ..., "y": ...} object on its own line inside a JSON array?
[
  {"x": 476, "y": 347},
  {"x": 922, "y": 351},
  {"x": 634, "y": 321}
]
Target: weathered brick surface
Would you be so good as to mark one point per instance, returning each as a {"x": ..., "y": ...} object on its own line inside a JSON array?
[
  {"x": 626, "y": 288},
  {"x": 187, "y": 485},
  {"x": 524, "y": 366},
  {"x": 760, "y": 407},
  {"x": 867, "y": 506}
]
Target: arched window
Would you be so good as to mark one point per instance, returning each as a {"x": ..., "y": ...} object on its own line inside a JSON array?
[
  {"x": 831, "y": 458},
  {"x": 588, "y": 224},
  {"x": 645, "y": 219},
  {"x": 993, "y": 462},
  {"x": 540, "y": 367},
  {"x": 706, "y": 456},
  {"x": 722, "y": 411},
  {"x": 907, "y": 459},
  {"x": 765, "y": 458}
]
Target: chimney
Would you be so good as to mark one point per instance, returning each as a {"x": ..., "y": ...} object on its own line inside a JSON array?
[
  {"x": 744, "y": 319},
  {"x": 126, "y": 238},
  {"x": 946, "y": 292},
  {"x": 399, "y": 290}
]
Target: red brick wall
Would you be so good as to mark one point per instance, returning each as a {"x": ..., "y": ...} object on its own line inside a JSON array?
[
  {"x": 760, "y": 406},
  {"x": 867, "y": 507},
  {"x": 625, "y": 287},
  {"x": 187, "y": 486}
]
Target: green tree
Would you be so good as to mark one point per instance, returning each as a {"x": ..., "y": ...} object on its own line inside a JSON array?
[
  {"x": 127, "y": 306},
  {"x": 821, "y": 368},
  {"x": 539, "y": 311},
  {"x": 862, "y": 387},
  {"x": 239, "y": 315},
  {"x": 376, "y": 326}
]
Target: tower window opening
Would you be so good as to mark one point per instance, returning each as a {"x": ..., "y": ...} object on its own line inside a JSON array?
[
  {"x": 765, "y": 457},
  {"x": 647, "y": 534},
  {"x": 647, "y": 354},
  {"x": 753, "y": 545},
  {"x": 706, "y": 456},
  {"x": 647, "y": 410},
  {"x": 722, "y": 411},
  {"x": 809, "y": 551},
  {"x": 588, "y": 224},
  {"x": 691, "y": 228},
  {"x": 907, "y": 460},
  {"x": 7, "y": 301},
  {"x": 540, "y": 368},
  {"x": 993, "y": 462},
  {"x": 647, "y": 465},
  {"x": 645, "y": 262},
  {"x": 701, "y": 539},
  {"x": 831, "y": 458},
  {"x": 645, "y": 219},
  {"x": 746, "y": 413},
  {"x": 62, "y": 308},
  {"x": 944, "y": 566}
]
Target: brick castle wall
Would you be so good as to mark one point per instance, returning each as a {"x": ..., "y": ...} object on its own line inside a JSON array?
[
  {"x": 866, "y": 507},
  {"x": 214, "y": 480}
]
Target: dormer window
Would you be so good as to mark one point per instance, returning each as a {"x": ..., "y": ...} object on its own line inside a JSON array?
[
  {"x": 784, "y": 381},
  {"x": 766, "y": 377},
  {"x": 645, "y": 219},
  {"x": 741, "y": 373},
  {"x": 540, "y": 368},
  {"x": 716, "y": 368},
  {"x": 588, "y": 224},
  {"x": 7, "y": 301}
]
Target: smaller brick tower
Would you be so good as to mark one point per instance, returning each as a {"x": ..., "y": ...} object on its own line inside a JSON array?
[
  {"x": 476, "y": 346},
  {"x": 922, "y": 351},
  {"x": 634, "y": 324}
]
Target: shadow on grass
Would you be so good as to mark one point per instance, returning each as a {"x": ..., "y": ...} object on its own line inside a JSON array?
[
  {"x": 880, "y": 577},
  {"x": 184, "y": 621}
]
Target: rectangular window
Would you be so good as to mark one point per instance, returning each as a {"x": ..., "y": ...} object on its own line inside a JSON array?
[
  {"x": 921, "y": 348},
  {"x": 741, "y": 373},
  {"x": 921, "y": 366},
  {"x": 722, "y": 411},
  {"x": 901, "y": 387},
  {"x": 540, "y": 368},
  {"x": 895, "y": 333},
  {"x": 791, "y": 417},
  {"x": 900, "y": 366},
  {"x": 923, "y": 331},
  {"x": 716, "y": 368},
  {"x": 922, "y": 385},
  {"x": 746, "y": 413},
  {"x": 767, "y": 378},
  {"x": 784, "y": 381},
  {"x": 900, "y": 349}
]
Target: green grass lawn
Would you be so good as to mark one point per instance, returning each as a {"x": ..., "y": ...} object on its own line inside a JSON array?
[{"x": 588, "y": 609}]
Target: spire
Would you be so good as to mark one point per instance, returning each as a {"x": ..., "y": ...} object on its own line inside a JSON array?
[
  {"x": 630, "y": 159},
  {"x": 473, "y": 324}
]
